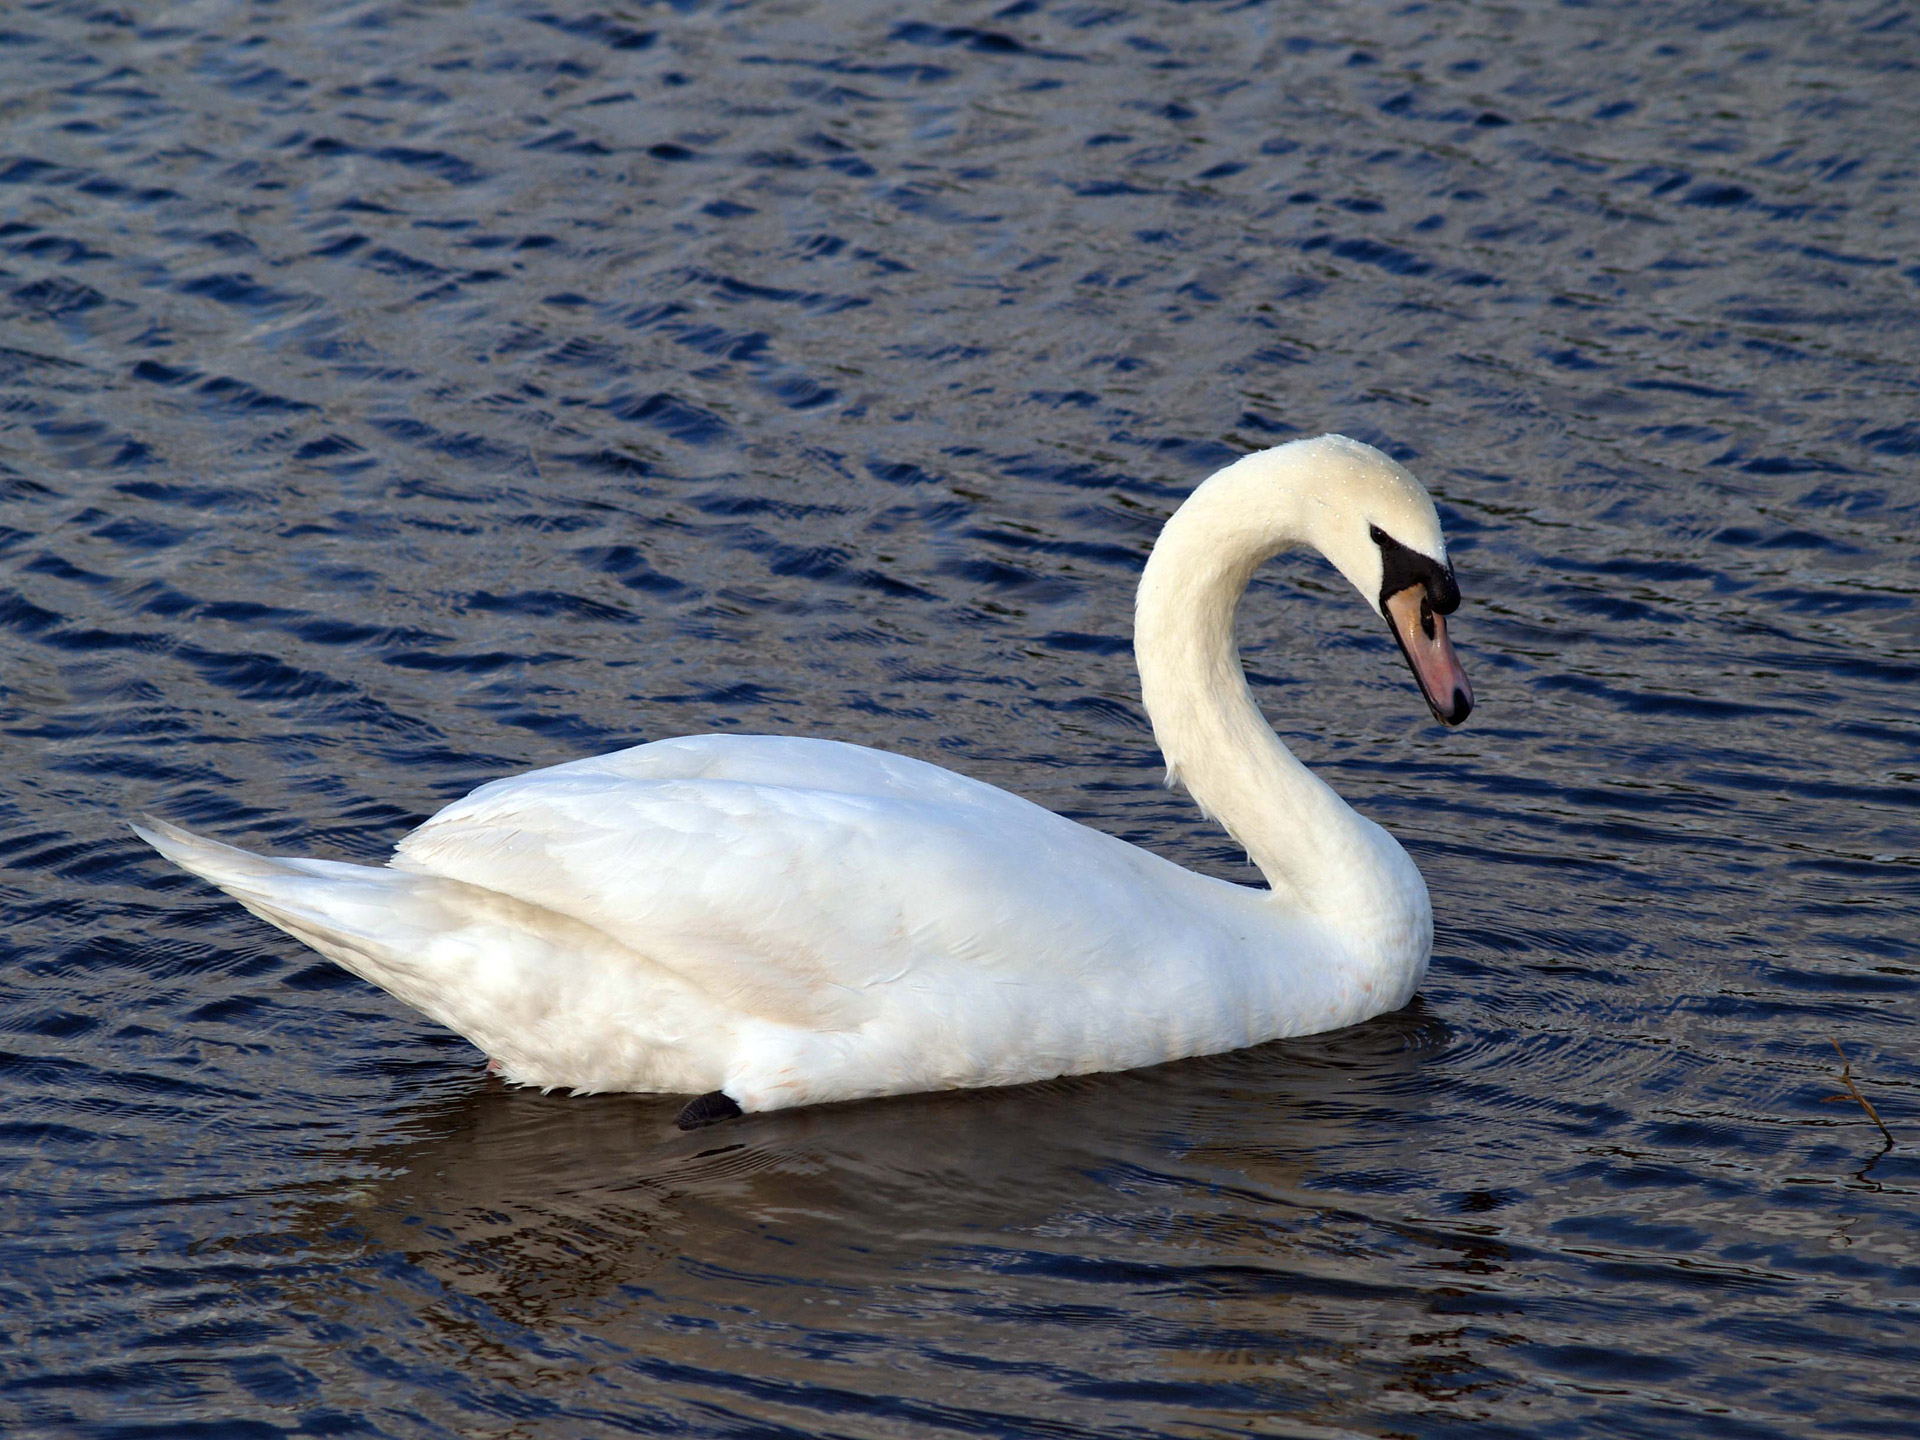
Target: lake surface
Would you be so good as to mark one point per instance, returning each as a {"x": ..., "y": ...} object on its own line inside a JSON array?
[{"x": 398, "y": 395}]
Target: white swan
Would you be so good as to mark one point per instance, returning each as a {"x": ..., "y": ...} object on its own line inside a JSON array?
[{"x": 766, "y": 922}]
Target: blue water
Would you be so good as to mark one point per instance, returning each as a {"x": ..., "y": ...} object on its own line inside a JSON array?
[{"x": 397, "y": 395}]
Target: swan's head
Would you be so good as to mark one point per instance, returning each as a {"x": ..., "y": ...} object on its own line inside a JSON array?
[{"x": 1368, "y": 515}]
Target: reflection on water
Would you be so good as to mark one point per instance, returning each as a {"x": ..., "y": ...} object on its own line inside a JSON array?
[
  {"x": 911, "y": 1235},
  {"x": 394, "y": 395}
]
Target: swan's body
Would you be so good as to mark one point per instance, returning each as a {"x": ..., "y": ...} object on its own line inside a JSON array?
[{"x": 788, "y": 921}]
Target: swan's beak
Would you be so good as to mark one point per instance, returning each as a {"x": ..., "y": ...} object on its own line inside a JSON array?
[{"x": 1422, "y": 633}]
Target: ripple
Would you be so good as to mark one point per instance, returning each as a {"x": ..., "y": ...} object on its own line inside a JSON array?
[{"x": 400, "y": 399}]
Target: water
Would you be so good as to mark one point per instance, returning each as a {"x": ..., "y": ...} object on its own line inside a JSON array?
[{"x": 400, "y": 395}]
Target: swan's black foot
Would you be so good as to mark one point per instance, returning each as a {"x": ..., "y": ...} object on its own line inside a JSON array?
[{"x": 709, "y": 1109}]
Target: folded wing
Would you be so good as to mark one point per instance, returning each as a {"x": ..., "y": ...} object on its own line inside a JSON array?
[{"x": 802, "y": 904}]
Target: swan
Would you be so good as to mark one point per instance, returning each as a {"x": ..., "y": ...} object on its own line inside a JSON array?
[{"x": 768, "y": 921}]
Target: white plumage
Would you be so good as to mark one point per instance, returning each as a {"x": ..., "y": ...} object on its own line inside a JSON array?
[{"x": 789, "y": 921}]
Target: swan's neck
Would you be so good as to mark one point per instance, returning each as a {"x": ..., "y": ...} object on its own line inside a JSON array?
[{"x": 1315, "y": 852}]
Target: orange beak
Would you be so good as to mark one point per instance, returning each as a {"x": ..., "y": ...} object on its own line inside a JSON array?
[{"x": 1422, "y": 633}]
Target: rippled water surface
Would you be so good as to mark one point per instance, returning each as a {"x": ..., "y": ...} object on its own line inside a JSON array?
[{"x": 397, "y": 395}]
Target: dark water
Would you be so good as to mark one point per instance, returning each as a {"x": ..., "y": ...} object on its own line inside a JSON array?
[{"x": 399, "y": 395}]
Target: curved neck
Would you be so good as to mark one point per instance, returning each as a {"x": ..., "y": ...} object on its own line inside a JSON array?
[{"x": 1311, "y": 847}]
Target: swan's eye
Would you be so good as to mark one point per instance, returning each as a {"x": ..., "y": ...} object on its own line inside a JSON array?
[{"x": 1401, "y": 566}]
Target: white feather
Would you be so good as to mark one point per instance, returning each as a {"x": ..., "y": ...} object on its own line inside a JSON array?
[{"x": 792, "y": 921}]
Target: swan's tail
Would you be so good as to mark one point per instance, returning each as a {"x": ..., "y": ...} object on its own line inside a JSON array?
[
  {"x": 386, "y": 926},
  {"x": 326, "y": 904},
  {"x": 500, "y": 971}
]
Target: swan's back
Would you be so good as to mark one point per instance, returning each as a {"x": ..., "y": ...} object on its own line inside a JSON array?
[{"x": 797, "y": 762}]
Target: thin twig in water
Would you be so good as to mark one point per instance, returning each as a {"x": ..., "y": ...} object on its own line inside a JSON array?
[{"x": 1853, "y": 1090}]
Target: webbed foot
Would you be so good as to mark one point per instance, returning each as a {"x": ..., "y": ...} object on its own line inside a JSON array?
[{"x": 708, "y": 1109}]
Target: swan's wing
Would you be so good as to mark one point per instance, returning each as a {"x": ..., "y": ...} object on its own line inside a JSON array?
[{"x": 797, "y": 905}]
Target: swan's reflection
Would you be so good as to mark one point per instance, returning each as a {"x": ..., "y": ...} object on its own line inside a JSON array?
[{"x": 1161, "y": 1207}]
